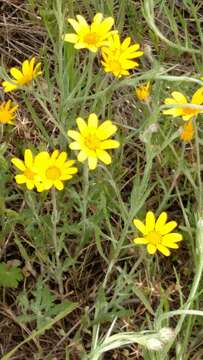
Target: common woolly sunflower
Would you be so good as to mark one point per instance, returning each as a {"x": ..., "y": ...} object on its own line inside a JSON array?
[
  {"x": 189, "y": 109},
  {"x": 24, "y": 76},
  {"x": 157, "y": 234},
  {"x": 91, "y": 36},
  {"x": 118, "y": 57},
  {"x": 7, "y": 112},
  {"x": 93, "y": 140}
]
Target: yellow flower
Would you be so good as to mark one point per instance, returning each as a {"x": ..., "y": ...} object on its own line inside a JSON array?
[
  {"x": 29, "y": 175},
  {"x": 53, "y": 169},
  {"x": 7, "y": 112},
  {"x": 118, "y": 57},
  {"x": 187, "y": 131},
  {"x": 143, "y": 92},
  {"x": 157, "y": 234},
  {"x": 186, "y": 112},
  {"x": 93, "y": 140},
  {"x": 91, "y": 36},
  {"x": 21, "y": 77}
]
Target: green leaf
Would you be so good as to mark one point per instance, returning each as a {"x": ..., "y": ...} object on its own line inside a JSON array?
[{"x": 10, "y": 276}]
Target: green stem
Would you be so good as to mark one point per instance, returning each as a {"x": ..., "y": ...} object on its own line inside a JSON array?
[
  {"x": 55, "y": 241},
  {"x": 85, "y": 200},
  {"x": 198, "y": 168}
]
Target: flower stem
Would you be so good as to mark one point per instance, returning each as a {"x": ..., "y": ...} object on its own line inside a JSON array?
[
  {"x": 55, "y": 241},
  {"x": 85, "y": 200},
  {"x": 198, "y": 168}
]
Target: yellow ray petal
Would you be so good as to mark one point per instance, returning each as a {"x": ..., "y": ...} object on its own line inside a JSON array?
[
  {"x": 140, "y": 226},
  {"x": 151, "y": 249},
  {"x": 173, "y": 237},
  {"x": 161, "y": 221},
  {"x": 150, "y": 221},
  {"x": 167, "y": 228},
  {"x": 18, "y": 163},
  {"x": 103, "y": 156},
  {"x": 92, "y": 162},
  {"x": 140, "y": 240},
  {"x": 163, "y": 250}
]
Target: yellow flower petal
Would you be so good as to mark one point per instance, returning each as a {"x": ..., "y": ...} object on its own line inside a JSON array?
[
  {"x": 18, "y": 163},
  {"x": 93, "y": 121},
  {"x": 61, "y": 158},
  {"x": 167, "y": 228},
  {"x": 25, "y": 67},
  {"x": 28, "y": 158},
  {"x": 82, "y": 126},
  {"x": 109, "y": 144},
  {"x": 198, "y": 96},
  {"x": 140, "y": 226},
  {"x": 179, "y": 97},
  {"x": 16, "y": 73},
  {"x": 30, "y": 184},
  {"x": 151, "y": 249},
  {"x": 59, "y": 185},
  {"x": 140, "y": 240},
  {"x": 82, "y": 156},
  {"x": 75, "y": 146},
  {"x": 92, "y": 162},
  {"x": 171, "y": 244},
  {"x": 104, "y": 156},
  {"x": 150, "y": 221},
  {"x": 20, "y": 179},
  {"x": 106, "y": 129},
  {"x": 161, "y": 221},
  {"x": 173, "y": 237},
  {"x": 163, "y": 250},
  {"x": 72, "y": 38},
  {"x": 8, "y": 86}
]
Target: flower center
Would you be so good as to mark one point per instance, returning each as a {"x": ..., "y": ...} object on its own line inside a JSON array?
[
  {"x": 115, "y": 66},
  {"x": 53, "y": 173},
  {"x": 92, "y": 142},
  {"x": 5, "y": 116},
  {"x": 190, "y": 111},
  {"x": 154, "y": 238},
  {"x": 91, "y": 38},
  {"x": 29, "y": 174}
]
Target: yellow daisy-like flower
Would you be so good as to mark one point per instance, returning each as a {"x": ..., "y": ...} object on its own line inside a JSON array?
[
  {"x": 7, "y": 112},
  {"x": 92, "y": 36},
  {"x": 53, "y": 169},
  {"x": 118, "y": 57},
  {"x": 187, "y": 133},
  {"x": 93, "y": 140},
  {"x": 157, "y": 235},
  {"x": 143, "y": 92},
  {"x": 29, "y": 175},
  {"x": 22, "y": 77},
  {"x": 186, "y": 112}
]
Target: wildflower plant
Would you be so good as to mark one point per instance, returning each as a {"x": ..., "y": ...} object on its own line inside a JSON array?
[
  {"x": 93, "y": 140},
  {"x": 73, "y": 239}
]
